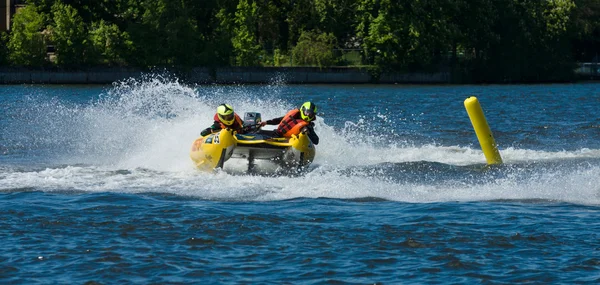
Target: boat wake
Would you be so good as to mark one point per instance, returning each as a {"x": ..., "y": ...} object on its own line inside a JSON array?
[{"x": 135, "y": 137}]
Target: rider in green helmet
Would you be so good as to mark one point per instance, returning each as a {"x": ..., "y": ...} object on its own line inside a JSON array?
[{"x": 296, "y": 121}]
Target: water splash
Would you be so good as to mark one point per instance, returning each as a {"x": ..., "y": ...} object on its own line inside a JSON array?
[{"x": 134, "y": 136}]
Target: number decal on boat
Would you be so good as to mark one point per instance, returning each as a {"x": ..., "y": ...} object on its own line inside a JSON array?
[{"x": 216, "y": 141}]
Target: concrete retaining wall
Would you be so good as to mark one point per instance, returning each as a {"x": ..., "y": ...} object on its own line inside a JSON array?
[{"x": 224, "y": 75}]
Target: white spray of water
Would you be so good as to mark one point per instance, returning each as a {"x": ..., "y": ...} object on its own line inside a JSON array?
[{"x": 137, "y": 136}]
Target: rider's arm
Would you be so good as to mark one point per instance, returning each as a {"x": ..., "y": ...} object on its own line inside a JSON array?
[
  {"x": 312, "y": 135},
  {"x": 275, "y": 121},
  {"x": 216, "y": 126}
]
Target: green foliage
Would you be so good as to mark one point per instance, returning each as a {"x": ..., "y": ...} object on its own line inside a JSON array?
[
  {"x": 302, "y": 16},
  {"x": 339, "y": 18},
  {"x": 69, "y": 36},
  {"x": 182, "y": 37},
  {"x": 111, "y": 46},
  {"x": 349, "y": 57},
  {"x": 3, "y": 48},
  {"x": 556, "y": 15},
  {"x": 280, "y": 59},
  {"x": 484, "y": 40},
  {"x": 215, "y": 22},
  {"x": 524, "y": 48},
  {"x": 217, "y": 46},
  {"x": 244, "y": 38},
  {"x": 385, "y": 34},
  {"x": 405, "y": 35},
  {"x": 584, "y": 28},
  {"x": 165, "y": 34},
  {"x": 268, "y": 17},
  {"x": 314, "y": 49},
  {"x": 26, "y": 45},
  {"x": 149, "y": 43}
]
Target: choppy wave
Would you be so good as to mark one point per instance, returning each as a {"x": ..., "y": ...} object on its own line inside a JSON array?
[{"x": 135, "y": 136}]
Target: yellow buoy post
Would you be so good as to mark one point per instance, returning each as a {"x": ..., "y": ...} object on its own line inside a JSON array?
[{"x": 483, "y": 131}]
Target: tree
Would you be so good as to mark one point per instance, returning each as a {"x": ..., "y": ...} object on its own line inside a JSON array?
[
  {"x": 385, "y": 32},
  {"x": 338, "y": 17},
  {"x": 3, "y": 48},
  {"x": 473, "y": 36},
  {"x": 69, "y": 36},
  {"x": 314, "y": 49},
  {"x": 301, "y": 16},
  {"x": 181, "y": 30},
  {"x": 531, "y": 42},
  {"x": 220, "y": 45},
  {"x": 244, "y": 38},
  {"x": 584, "y": 29},
  {"x": 111, "y": 46},
  {"x": 26, "y": 45},
  {"x": 166, "y": 33}
]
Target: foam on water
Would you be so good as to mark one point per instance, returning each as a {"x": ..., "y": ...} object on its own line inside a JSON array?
[{"x": 135, "y": 137}]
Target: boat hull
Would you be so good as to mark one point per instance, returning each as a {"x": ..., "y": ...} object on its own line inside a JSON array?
[
  {"x": 211, "y": 151},
  {"x": 215, "y": 150}
]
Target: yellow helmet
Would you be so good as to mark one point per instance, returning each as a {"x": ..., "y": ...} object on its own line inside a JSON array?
[
  {"x": 308, "y": 111},
  {"x": 226, "y": 114}
]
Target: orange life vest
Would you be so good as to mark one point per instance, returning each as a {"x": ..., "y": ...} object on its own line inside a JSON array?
[
  {"x": 291, "y": 124},
  {"x": 237, "y": 125}
]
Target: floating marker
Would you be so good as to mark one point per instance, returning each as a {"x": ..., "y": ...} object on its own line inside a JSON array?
[{"x": 483, "y": 131}]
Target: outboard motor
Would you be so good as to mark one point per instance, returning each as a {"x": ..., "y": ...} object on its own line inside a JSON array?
[{"x": 252, "y": 121}]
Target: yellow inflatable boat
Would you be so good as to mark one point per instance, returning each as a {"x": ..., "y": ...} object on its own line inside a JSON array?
[{"x": 214, "y": 150}]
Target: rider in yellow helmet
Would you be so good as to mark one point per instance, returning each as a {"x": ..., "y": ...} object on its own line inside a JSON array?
[
  {"x": 296, "y": 121},
  {"x": 225, "y": 118}
]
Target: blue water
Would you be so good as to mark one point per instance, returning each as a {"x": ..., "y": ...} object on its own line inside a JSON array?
[{"x": 97, "y": 187}]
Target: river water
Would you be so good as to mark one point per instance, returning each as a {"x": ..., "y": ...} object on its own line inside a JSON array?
[{"x": 96, "y": 185}]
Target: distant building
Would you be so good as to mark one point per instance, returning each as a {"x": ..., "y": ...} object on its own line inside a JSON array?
[{"x": 8, "y": 8}]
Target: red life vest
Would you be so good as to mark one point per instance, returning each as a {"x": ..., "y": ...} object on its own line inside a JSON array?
[
  {"x": 291, "y": 124},
  {"x": 237, "y": 125}
]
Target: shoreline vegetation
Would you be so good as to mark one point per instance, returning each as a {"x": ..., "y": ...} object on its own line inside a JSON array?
[{"x": 302, "y": 41}]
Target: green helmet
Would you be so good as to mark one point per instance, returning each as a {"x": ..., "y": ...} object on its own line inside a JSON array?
[
  {"x": 308, "y": 111},
  {"x": 226, "y": 114}
]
